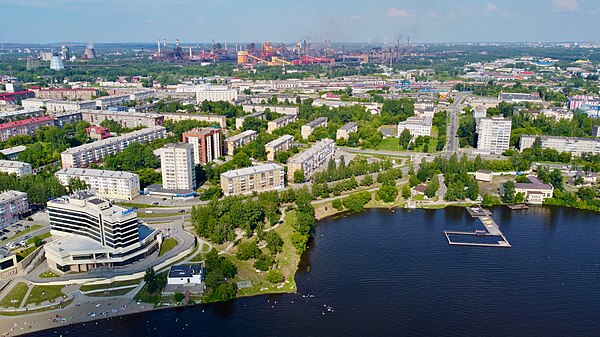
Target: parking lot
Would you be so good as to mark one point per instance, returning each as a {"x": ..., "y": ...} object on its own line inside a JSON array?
[{"x": 16, "y": 235}]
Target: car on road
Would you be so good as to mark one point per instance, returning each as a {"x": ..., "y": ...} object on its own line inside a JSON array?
[
  {"x": 155, "y": 203},
  {"x": 149, "y": 212},
  {"x": 182, "y": 211}
]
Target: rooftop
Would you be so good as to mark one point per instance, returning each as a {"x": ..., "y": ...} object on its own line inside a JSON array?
[
  {"x": 241, "y": 135},
  {"x": 24, "y": 122},
  {"x": 187, "y": 270},
  {"x": 534, "y": 184},
  {"x": 302, "y": 156},
  {"x": 13, "y": 150},
  {"x": 11, "y": 194},
  {"x": 12, "y": 163},
  {"x": 114, "y": 140},
  {"x": 251, "y": 170},
  {"x": 349, "y": 126},
  {"x": 95, "y": 173},
  {"x": 316, "y": 122},
  {"x": 279, "y": 140}
]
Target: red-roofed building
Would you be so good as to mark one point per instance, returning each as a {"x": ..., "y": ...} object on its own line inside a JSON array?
[
  {"x": 331, "y": 96},
  {"x": 24, "y": 127},
  {"x": 16, "y": 96},
  {"x": 98, "y": 132}
]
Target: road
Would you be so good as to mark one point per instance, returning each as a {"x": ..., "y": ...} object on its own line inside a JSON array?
[{"x": 452, "y": 137}]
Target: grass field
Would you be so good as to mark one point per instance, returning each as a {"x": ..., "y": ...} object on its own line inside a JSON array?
[
  {"x": 47, "y": 274},
  {"x": 86, "y": 287},
  {"x": 391, "y": 144},
  {"x": 167, "y": 245},
  {"x": 40, "y": 294},
  {"x": 41, "y": 237},
  {"x": 17, "y": 293}
]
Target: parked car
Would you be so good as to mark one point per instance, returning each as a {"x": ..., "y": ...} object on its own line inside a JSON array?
[
  {"x": 149, "y": 212},
  {"x": 155, "y": 203}
]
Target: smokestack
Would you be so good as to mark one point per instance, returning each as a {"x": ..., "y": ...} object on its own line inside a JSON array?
[
  {"x": 190, "y": 53},
  {"x": 165, "y": 45},
  {"x": 158, "y": 44},
  {"x": 177, "y": 43}
]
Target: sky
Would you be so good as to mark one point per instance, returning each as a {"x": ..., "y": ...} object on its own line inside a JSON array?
[{"x": 50, "y": 21}]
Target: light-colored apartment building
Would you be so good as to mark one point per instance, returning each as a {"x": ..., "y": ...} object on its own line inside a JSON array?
[
  {"x": 280, "y": 109},
  {"x": 64, "y": 106},
  {"x": 215, "y": 93},
  {"x": 311, "y": 159},
  {"x": 177, "y": 117},
  {"x": 239, "y": 140},
  {"x": 86, "y": 154},
  {"x": 281, "y": 144},
  {"x": 115, "y": 185},
  {"x": 262, "y": 178},
  {"x": 15, "y": 167},
  {"x": 493, "y": 134},
  {"x": 24, "y": 127},
  {"x": 307, "y": 129},
  {"x": 345, "y": 131},
  {"x": 417, "y": 126},
  {"x": 82, "y": 94},
  {"x": 13, "y": 205},
  {"x": 177, "y": 166},
  {"x": 207, "y": 142},
  {"x": 575, "y": 146},
  {"x": 239, "y": 122},
  {"x": 280, "y": 122},
  {"x": 125, "y": 118}
]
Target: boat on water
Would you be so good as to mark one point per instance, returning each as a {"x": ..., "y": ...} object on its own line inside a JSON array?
[{"x": 480, "y": 232}]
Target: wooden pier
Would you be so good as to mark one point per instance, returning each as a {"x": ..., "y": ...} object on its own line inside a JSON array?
[{"x": 491, "y": 229}]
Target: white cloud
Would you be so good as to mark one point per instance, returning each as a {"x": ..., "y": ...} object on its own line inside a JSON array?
[
  {"x": 397, "y": 13},
  {"x": 491, "y": 8},
  {"x": 434, "y": 14},
  {"x": 565, "y": 5},
  {"x": 356, "y": 18}
]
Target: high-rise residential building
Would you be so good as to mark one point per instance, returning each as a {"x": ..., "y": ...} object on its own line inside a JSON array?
[
  {"x": 89, "y": 232},
  {"x": 115, "y": 185},
  {"x": 239, "y": 140},
  {"x": 13, "y": 205},
  {"x": 417, "y": 126},
  {"x": 311, "y": 159},
  {"x": 86, "y": 154},
  {"x": 308, "y": 128},
  {"x": 262, "y": 178},
  {"x": 177, "y": 164},
  {"x": 345, "y": 131},
  {"x": 15, "y": 167},
  {"x": 493, "y": 134},
  {"x": 215, "y": 93},
  {"x": 281, "y": 144},
  {"x": 207, "y": 142}
]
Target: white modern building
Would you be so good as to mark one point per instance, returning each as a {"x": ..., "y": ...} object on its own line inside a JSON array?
[
  {"x": 215, "y": 93},
  {"x": 86, "y": 154},
  {"x": 416, "y": 126},
  {"x": 114, "y": 185},
  {"x": 177, "y": 165},
  {"x": 13, "y": 205},
  {"x": 89, "y": 232},
  {"x": 15, "y": 167},
  {"x": 493, "y": 134},
  {"x": 187, "y": 274}
]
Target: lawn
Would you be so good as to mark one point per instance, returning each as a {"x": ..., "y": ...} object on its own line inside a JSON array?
[
  {"x": 23, "y": 253},
  {"x": 118, "y": 292},
  {"x": 41, "y": 237},
  {"x": 16, "y": 293},
  {"x": 40, "y": 294},
  {"x": 116, "y": 284},
  {"x": 167, "y": 245},
  {"x": 47, "y": 274},
  {"x": 389, "y": 144},
  {"x": 23, "y": 232}
]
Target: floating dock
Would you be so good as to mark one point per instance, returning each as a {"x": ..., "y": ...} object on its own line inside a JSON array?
[
  {"x": 491, "y": 230},
  {"x": 518, "y": 207}
]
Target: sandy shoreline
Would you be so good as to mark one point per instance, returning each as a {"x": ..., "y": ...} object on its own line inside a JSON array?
[{"x": 75, "y": 313}]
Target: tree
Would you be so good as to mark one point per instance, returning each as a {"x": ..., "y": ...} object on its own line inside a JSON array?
[
  {"x": 263, "y": 262},
  {"x": 76, "y": 184},
  {"x": 367, "y": 180},
  {"x": 151, "y": 280},
  {"x": 387, "y": 193},
  {"x": 337, "y": 204},
  {"x": 432, "y": 187},
  {"x": 37, "y": 242},
  {"x": 508, "y": 196},
  {"x": 299, "y": 176},
  {"x": 248, "y": 250},
  {"x": 178, "y": 297},
  {"x": 275, "y": 276},
  {"x": 274, "y": 242},
  {"x": 299, "y": 242},
  {"x": 413, "y": 180},
  {"x": 405, "y": 138},
  {"x": 405, "y": 192},
  {"x": 556, "y": 179}
]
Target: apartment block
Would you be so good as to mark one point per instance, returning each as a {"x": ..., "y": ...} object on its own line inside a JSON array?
[
  {"x": 308, "y": 128},
  {"x": 281, "y": 144},
  {"x": 417, "y": 126},
  {"x": 262, "y": 178},
  {"x": 239, "y": 122},
  {"x": 15, "y": 115},
  {"x": 177, "y": 117},
  {"x": 125, "y": 118},
  {"x": 64, "y": 106},
  {"x": 239, "y": 140},
  {"x": 177, "y": 165},
  {"x": 310, "y": 160},
  {"x": 493, "y": 134},
  {"x": 105, "y": 184},
  {"x": 86, "y": 154},
  {"x": 15, "y": 167},
  {"x": 215, "y": 93},
  {"x": 345, "y": 131},
  {"x": 24, "y": 127},
  {"x": 280, "y": 122},
  {"x": 575, "y": 146},
  {"x": 81, "y": 94},
  {"x": 207, "y": 142},
  {"x": 13, "y": 205},
  {"x": 280, "y": 109}
]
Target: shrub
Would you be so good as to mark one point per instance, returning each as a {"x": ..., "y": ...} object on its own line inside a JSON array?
[{"x": 275, "y": 276}]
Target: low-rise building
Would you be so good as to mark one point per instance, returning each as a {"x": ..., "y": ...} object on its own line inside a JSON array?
[
  {"x": 262, "y": 178},
  {"x": 281, "y": 144},
  {"x": 416, "y": 126},
  {"x": 15, "y": 115},
  {"x": 86, "y": 154},
  {"x": 535, "y": 192},
  {"x": 345, "y": 131},
  {"x": 74, "y": 94},
  {"x": 307, "y": 129},
  {"x": 89, "y": 232},
  {"x": 125, "y": 118},
  {"x": 64, "y": 106},
  {"x": 186, "y": 274},
  {"x": 15, "y": 167},
  {"x": 103, "y": 103},
  {"x": 280, "y": 109},
  {"x": 280, "y": 122},
  {"x": 98, "y": 132},
  {"x": 34, "y": 103},
  {"x": 177, "y": 117},
  {"x": 574, "y": 145},
  {"x": 239, "y": 140},
  {"x": 13, "y": 206},
  {"x": 12, "y": 153},
  {"x": 519, "y": 98},
  {"x": 484, "y": 175},
  {"x": 596, "y": 131},
  {"x": 24, "y": 127},
  {"x": 310, "y": 160},
  {"x": 62, "y": 118},
  {"x": 208, "y": 144},
  {"x": 114, "y": 185},
  {"x": 239, "y": 122}
]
